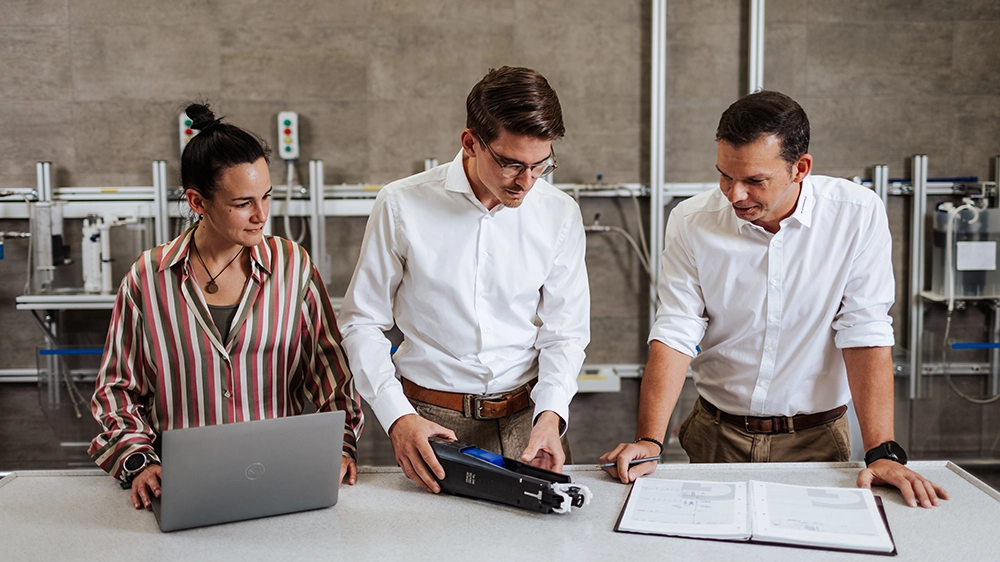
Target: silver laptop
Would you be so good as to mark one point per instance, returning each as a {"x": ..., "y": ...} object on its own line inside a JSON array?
[{"x": 231, "y": 472}]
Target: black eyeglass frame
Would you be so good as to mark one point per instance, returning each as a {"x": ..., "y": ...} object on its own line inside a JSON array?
[{"x": 514, "y": 169}]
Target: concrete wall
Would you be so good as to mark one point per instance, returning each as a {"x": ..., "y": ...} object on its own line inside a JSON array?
[{"x": 95, "y": 86}]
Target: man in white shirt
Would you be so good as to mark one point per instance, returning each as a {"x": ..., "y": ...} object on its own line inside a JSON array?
[
  {"x": 784, "y": 280},
  {"x": 480, "y": 264}
]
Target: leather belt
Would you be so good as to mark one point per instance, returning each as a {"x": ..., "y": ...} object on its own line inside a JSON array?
[
  {"x": 775, "y": 424},
  {"x": 478, "y": 406}
]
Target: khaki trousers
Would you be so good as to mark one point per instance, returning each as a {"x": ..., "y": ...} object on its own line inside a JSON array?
[
  {"x": 707, "y": 439},
  {"x": 507, "y": 437}
]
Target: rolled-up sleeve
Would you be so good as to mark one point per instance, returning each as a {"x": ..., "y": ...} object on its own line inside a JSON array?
[
  {"x": 680, "y": 319},
  {"x": 863, "y": 319}
]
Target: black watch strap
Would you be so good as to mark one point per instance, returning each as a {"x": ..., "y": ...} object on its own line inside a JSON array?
[{"x": 888, "y": 450}]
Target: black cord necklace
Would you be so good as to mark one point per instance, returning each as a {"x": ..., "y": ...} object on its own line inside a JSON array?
[{"x": 211, "y": 287}]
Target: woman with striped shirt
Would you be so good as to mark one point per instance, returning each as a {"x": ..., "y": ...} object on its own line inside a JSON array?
[{"x": 221, "y": 325}]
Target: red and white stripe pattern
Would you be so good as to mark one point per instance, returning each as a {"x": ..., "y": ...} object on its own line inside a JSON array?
[{"x": 166, "y": 366}]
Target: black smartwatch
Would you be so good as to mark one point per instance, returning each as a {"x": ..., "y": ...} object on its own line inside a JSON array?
[
  {"x": 888, "y": 450},
  {"x": 134, "y": 464}
]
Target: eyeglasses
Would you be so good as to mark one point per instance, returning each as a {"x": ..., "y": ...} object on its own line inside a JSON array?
[{"x": 514, "y": 169}]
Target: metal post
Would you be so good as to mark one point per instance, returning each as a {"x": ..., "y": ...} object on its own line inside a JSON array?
[
  {"x": 994, "y": 352},
  {"x": 42, "y": 217},
  {"x": 161, "y": 202},
  {"x": 918, "y": 220},
  {"x": 43, "y": 180},
  {"x": 657, "y": 139},
  {"x": 755, "y": 66},
  {"x": 318, "y": 219},
  {"x": 880, "y": 183}
]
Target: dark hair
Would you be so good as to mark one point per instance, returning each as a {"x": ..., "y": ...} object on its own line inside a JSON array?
[
  {"x": 518, "y": 100},
  {"x": 765, "y": 113},
  {"x": 216, "y": 147}
]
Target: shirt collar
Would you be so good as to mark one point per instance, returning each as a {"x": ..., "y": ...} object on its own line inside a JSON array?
[
  {"x": 457, "y": 181},
  {"x": 805, "y": 208},
  {"x": 178, "y": 250}
]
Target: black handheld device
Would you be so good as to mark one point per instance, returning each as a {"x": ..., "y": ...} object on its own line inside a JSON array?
[{"x": 476, "y": 473}]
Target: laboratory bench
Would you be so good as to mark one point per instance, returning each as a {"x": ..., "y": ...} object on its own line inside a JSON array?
[{"x": 57, "y": 515}]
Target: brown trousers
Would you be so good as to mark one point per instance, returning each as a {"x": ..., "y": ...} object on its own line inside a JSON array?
[
  {"x": 707, "y": 439},
  {"x": 506, "y": 437}
]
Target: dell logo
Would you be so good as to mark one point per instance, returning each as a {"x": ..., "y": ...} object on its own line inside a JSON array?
[{"x": 255, "y": 471}]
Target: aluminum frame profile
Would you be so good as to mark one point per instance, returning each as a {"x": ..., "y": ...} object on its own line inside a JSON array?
[
  {"x": 317, "y": 238},
  {"x": 995, "y": 353},
  {"x": 160, "y": 200},
  {"x": 880, "y": 183},
  {"x": 755, "y": 64},
  {"x": 918, "y": 219},
  {"x": 657, "y": 143}
]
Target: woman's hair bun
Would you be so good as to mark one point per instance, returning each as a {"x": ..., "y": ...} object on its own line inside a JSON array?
[{"x": 201, "y": 116}]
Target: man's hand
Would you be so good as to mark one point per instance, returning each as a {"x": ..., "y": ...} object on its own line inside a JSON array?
[
  {"x": 347, "y": 468},
  {"x": 145, "y": 485},
  {"x": 409, "y": 435},
  {"x": 625, "y": 452},
  {"x": 914, "y": 487},
  {"x": 544, "y": 448}
]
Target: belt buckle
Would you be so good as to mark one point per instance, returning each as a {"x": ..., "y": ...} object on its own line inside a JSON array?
[
  {"x": 477, "y": 407},
  {"x": 758, "y": 429}
]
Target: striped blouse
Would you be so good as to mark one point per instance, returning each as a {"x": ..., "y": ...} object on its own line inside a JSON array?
[{"x": 166, "y": 366}]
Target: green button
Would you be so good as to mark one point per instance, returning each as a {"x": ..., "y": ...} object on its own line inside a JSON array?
[
  {"x": 288, "y": 149},
  {"x": 187, "y": 122},
  {"x": 288, "y": 122}
]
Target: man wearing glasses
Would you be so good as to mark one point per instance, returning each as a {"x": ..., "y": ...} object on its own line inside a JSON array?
[{"x": 480, "y": 264}]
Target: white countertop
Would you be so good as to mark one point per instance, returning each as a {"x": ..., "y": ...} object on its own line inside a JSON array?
[{"x": 80, "y": 515}]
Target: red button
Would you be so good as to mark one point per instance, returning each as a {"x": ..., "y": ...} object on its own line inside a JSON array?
[
  {"x": 288, "y": 131},
  {"x": 188, "y": 131}
]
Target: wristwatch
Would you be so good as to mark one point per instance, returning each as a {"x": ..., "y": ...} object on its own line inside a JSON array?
[
  {"x": 888, "y": 450},
  {"x": 134, "y": 464}
]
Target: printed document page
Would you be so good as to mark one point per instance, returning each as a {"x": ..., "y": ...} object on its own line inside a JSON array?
[
  {"x": 716, "y": 510},
  {"x": 826, "y": 517}
]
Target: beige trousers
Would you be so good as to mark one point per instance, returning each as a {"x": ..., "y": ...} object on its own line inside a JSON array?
[
  {"x": 707, "y": 439},
  {"x": 506, "y": 437}
]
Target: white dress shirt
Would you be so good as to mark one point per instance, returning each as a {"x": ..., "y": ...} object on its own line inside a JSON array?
[
  {"x": 486, "y": 299},
  {"x": 771, "y": 313}
]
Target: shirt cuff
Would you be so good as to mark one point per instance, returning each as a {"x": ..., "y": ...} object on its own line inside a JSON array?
[
  {"x": 877, "y": 334},
  {"x": 119, "y": 468},
  {"x": 678, "y": 333},
  {"x": 553, "y": 399},
  {"x": 391, "y": 405}
]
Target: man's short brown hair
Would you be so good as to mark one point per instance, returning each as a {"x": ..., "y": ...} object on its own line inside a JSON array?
[
  {"x": 765, "y": 113},
  {"x": 518, "y": 100}
]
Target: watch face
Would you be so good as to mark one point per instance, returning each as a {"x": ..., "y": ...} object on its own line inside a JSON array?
[
  {"x": 895, "y": 450},
  {"x": 134, "y": 462}
]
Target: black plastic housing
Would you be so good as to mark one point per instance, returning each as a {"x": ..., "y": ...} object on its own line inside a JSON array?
[{"x": 516, "y": 483}]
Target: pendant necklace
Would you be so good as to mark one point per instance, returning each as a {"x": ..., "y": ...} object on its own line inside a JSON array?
[{"x": 211, "y": 287}]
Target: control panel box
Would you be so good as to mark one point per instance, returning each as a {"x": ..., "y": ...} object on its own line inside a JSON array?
[
  {"x": 186, "y": 132},
  {"x": 288, "y": 135}
]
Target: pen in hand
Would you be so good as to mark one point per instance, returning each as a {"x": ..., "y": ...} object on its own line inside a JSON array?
[{"x": 632, "y": 462}]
